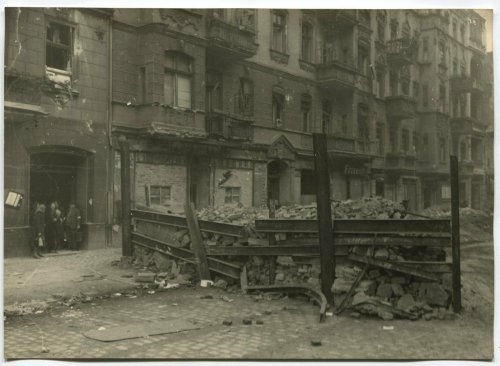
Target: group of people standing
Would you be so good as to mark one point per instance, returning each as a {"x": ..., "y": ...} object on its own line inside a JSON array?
[{"x": 52, "y": 230}]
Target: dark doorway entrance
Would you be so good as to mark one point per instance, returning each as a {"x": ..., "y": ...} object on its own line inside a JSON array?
[
  {"x": 275, "y": 181},
  {"x": 58, "y": 177}
]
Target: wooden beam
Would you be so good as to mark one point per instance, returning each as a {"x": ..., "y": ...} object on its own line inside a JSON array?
[
  {"x": 455, "y": 235},
  {"x": 324, "y": 210},
  {"x": 125, "y": 197},
  {"x": 272, "y": 243},
  {"x": 197, "y": 242}
]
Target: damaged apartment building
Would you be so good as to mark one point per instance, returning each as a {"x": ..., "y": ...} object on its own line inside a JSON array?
[{"x": 218, "y": 106}]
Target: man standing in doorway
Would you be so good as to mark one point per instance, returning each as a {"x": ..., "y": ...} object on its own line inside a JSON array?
[{"x": 73, "y": 220}]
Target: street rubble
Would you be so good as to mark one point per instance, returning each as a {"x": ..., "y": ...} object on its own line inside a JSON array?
[{"x": 383, "y": 293}]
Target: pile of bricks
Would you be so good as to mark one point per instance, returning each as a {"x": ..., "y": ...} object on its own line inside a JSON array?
[{"x": 391, "y": 295}]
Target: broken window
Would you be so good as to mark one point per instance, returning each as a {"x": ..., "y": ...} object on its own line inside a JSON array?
[
  {"x": 425, "y": 49},
  {"x": 416, "y": 91},
  {"x": 279, "y": 31},
  {"x": 232, "y": 194},
  {"x": 305, "y": 111},
  {"x": 177, "y": 80},
  {"x": 158, "y": 195},
  {"x": 416, "y": 142},
  {"x": 59, "y": 44},
  {"x": 307, "y": 41}
]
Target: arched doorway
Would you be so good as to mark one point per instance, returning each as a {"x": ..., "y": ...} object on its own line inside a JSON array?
[
  {"x": 278, "y": 182},
  {"x": 60, "y": 174}
]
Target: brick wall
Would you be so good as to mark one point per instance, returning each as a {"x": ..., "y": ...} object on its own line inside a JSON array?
[
  {"x": 239, "y": 178},
  {"x": 162, "y": 175}
]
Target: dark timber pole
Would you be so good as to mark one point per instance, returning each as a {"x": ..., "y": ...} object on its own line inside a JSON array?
[
  {"x": 455, "y": 234},
  {"x": 326, "y": 250},
  {"x": 125, "y": 190}
]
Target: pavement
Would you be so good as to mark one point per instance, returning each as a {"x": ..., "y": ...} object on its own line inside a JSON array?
[
  {"x": 288, "y": 324},
  {"x": 67, "y": 273}
]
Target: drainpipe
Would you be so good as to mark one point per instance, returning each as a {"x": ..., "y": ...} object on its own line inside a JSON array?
[{"x": 110, "y": 160}]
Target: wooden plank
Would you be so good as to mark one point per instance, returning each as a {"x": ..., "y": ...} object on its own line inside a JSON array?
[
  {"x": 393, "y": 266},
  {"x": 455, "y": 235},
  {"x": 324, "y": 211},
  {"x": 197, "y": 243}
]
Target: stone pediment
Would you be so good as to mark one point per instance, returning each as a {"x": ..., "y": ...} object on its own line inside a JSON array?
[{"x": 281, "y": 148}]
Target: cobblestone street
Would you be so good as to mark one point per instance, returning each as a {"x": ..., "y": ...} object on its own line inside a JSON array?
[{"x": 289, "y": 325}]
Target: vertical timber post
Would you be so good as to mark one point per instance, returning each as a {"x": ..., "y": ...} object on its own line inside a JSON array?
[
  {"x": 324, "y": 209},
  {"x": 125, "y": 193},
  {"x": 455, "y": 234},
  {"x": 197, "y": 242},
  {"x": 272, "y": 241}
]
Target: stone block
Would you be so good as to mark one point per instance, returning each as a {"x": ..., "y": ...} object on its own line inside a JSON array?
[
  {"x": 381, "y": 253},
  {"x": 435, "y": 294},
  {"x": 406, "y": 303},
  {"x": 397, "y": 289},
  {"x": 384, "y": 290}
]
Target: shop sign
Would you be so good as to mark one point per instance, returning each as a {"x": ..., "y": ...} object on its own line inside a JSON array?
[{"x": 349, "y": 170}]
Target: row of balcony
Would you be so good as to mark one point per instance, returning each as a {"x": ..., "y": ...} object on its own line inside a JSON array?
[{"x": 460, "y": 84}]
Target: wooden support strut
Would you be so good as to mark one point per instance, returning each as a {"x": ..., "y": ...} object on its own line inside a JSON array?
[
  {"x": 197, "y": 243},
  {"x": 272, "y": 242},
  {"x": 455, "y": 235},
  {"x": 125, "y": 197},
  {"x": 324, "y": 210}
]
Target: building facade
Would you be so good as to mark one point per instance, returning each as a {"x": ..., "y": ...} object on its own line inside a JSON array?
[{"x": 218, "y": 106}]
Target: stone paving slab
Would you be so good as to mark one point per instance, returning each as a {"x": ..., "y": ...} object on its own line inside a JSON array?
[{"x": 284, "y": 334}]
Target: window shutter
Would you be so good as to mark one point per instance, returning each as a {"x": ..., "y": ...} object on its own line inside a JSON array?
[
  {"x": 183, "y": 92},
  {"x": 148, "y": 201}
]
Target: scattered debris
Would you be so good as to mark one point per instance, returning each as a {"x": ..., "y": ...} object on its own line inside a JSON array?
[
  {"x": 226, "y": 299},
  {"x": 227, "y": 322},
  {"x": 315, "y": 342},
  {"x": 247, "y": 321}
]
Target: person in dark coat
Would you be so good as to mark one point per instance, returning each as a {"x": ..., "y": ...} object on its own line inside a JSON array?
[
  {"x": 59, "y": 228},
  {"x": 73, "y": 221},
  {"x": 50, "y": 227},
  {"x": 38, "y": 231}
]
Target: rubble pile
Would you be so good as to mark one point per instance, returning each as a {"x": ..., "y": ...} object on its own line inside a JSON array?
[
  {"x": 475, "y": 225},
  {"x": 390, "y": 295}
]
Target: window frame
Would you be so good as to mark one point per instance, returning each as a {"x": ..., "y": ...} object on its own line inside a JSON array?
[
  {"x": 178, "y": 73},
  {"x": 278, "y": 105},
  {"x": 305, "y": 110},
  {"x": 281, "y": 28},
  {"x": 165, "y": 202},
  {"x": 231, "y": 190},
  {"x": 69, "y": 48},
  {"x": 306, "y": 53}
]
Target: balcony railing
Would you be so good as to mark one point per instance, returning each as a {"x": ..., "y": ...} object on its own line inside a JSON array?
[
  {"x": 460, "y": 84},
  {"x": 402, "y": 51},
  {"x": 334, "y": 68},
  {"x": 232, "y": 39},
  {"x": 338, "y": 143},
  {"x": 400, "y": 107},
  {"x": 341, "y": 17},
  {"x": 223, "y": 125}
]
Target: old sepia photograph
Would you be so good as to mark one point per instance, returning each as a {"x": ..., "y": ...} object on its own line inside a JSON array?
[{"x": 248, "y": 184}]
